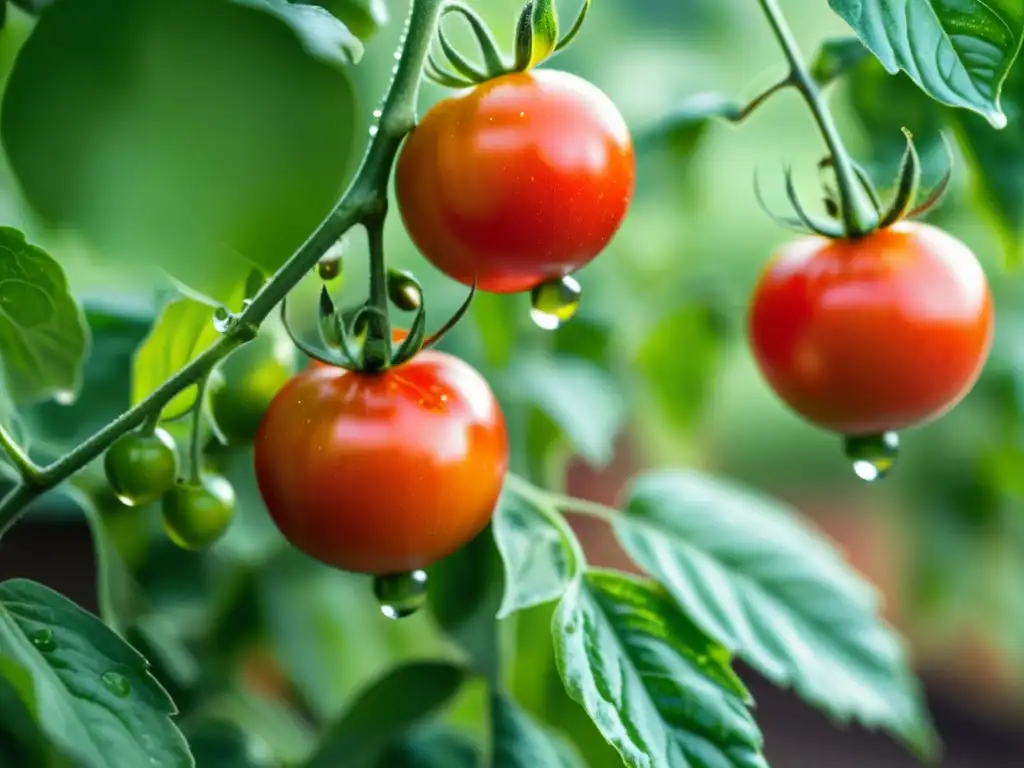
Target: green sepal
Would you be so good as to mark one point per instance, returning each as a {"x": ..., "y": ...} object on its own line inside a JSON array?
[
  {"x": 412, "y": 343},
  {"x": 327, "y": 316},
  {"x": 536, "y": 34},
  {"x": 439, "y": 334},
  {"x": 813, "y": 223},
  {"x": 937, "y": 192},
  {"x": 908, "y": 183},
  {"x": 371, "y": 328}
]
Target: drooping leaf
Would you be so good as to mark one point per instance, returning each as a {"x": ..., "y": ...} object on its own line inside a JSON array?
[
  {"x": 401, "y": 699},
  {"x": 584, "y": 401},
  {"x": 678, "y": 361},
  {"x": 540, "y": 558},
  {"x": 660, "y": 691},
  {"x": 183, "y": 331},
  {"x": 43, "y": 337},
  {"x": 958, "y": 52},
  {"x": 521, "y": 742},
  {"x": 206, "y": 138},
  {"x": 94, "y": 695},
  {"x": 465, "y": 594},
  {"x": 765, "y": 585},
  {"x": 432, "y": 746},
  {"x": 363, "y": 17},
  {"x": 321, "y": 34}
]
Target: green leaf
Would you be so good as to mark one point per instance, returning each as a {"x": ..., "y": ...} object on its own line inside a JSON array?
[
  {"x": 183, "y": 331},
  {"x": 322, "y": 35},
  {"x": 401, "y": 699},
  {"x": 363, "y": 17},
  {"x": 685, "y": 125},
  {"x": 836, "y": 57},
  {"x": 959, "y": 53},
  {"x": 432, "y": 746},
  {"x": 465, "y": 594},
  {"x": 43, "y": 337},
  {"x": 105, "y": 391},
  {"x": 755, "y": 577},
  {"x": 195, "y": 136},
  {"x": 678, "y": 361},
  {"x": 584, "y": 401},
  {"x": 21, "y": 740},
  {"x": 659, "y": 690},
  {"x": 94, "y": 694},
  {"x": 540, "y": 552},
  {"x": 221, "y": 744},
  {"x": 521, "y": 742},
  {"x": 286, "y": 734}
]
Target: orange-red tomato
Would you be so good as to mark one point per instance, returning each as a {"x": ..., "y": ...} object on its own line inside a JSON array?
[
  {"x": 875, "y": 334},
  {"x": 521, "y": 179},
  {"x": 383, "y": 473}
]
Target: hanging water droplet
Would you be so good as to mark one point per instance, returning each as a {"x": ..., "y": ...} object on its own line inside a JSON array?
[
  {"x": 43, "y": 640},
  {"x": 329, "y": 269},
  {"x": 401, "y": 594},
  {"x": 373, "y": 130},
  {"x": 555, "y": 302},
  {"x": 873, "y": 456},
  {"x": 116, "y": 683},
  {"x": 222, "y": 319},
  {"x": 65, "y": 396}
]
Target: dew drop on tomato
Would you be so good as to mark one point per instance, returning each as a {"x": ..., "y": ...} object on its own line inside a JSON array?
[{"x": 401, "y": 595}]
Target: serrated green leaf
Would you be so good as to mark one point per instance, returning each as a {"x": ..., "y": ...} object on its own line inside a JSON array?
[
  {"x": 521, "y": 742},
  {"x": 95, "y": 697},
  {"x": 43, "y": 337},
  {"x": 836, "y": 57},
  {"x": 659, "y": 690},
  {"x": 584, "y": 401},
  {"x": 183, "y": 331},
  {"x": 959, "y": 53},
  {"x": 540, "y": 558},
  {"x": 755, "y": 577},
  {"x": 402, "y": 698},
  {"x": 323, "y": 36}
]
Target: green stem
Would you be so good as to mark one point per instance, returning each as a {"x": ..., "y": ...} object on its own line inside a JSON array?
[
  {"x": 377, "y": 350},
  {"x": 859, "y": 216},
  {"x": 27, "y": 469},
  {"x": 195, "y": 456},
  {"x": 363, "y": 201}
]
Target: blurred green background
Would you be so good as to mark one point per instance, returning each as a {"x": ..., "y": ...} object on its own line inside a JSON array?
[{"x": 654, "y": 371}]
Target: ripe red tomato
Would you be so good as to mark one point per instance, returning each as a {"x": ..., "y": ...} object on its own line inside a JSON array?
[
  {"x": 522, "y": 179},
  {"x": 383, "y": 473},
  {"x": 875, "y": 334}
]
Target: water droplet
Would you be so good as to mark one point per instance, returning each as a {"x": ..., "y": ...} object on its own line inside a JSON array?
[
  {"x": 246, "y": 303},
  {"x": 65, "y": 396},
  {"x": 555, "y": 302},
  {"x": 116, "y": 683},
  {"x": 329, "y": 269},
  {"x": 377, "y": 114},
  {"x": 222, "y": 319},
  {"x": 43, "y": 640},
  {"x": 373, "y": 130},
  {"x": 873, "y": 456},
  {"x": 398, "y": 55},
  {"x": 401, "y": 594},
  {"x": 128, "y": 501}
]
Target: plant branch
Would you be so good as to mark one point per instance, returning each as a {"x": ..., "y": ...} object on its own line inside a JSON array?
[
  {"x": 364, "y": 201},
  {"x": 195, "y": 454},
  {"x": 761, "y": 98},
  {"x": 858, "y": 215},
  {"x": 27, "y": 469}
]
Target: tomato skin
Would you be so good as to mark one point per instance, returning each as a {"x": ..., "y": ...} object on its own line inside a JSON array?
[
  {"x": 383, "y": 473},
  {"x": 877, "y": 334},
  {"x": 196, "y": 515},
  {"x": 524, "y": 178},
  {"x": 141, "y": 468}
]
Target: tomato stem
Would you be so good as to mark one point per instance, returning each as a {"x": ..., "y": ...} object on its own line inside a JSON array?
[
  {"x": 364, "y": 201},
  {"x": 195, "y": 454},
  {"x": 377, "y": 350},
  {"x": 858, "y": 215}
]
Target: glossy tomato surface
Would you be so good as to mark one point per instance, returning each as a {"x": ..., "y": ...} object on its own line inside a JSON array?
[
  {"x": 383, "y": 473},
  {"x": 877, "y": 334},
  {"x": 521, "y": 179}
]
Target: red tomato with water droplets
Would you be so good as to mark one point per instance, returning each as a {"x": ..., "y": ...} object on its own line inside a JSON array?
[{"x": 876, "y": 334}]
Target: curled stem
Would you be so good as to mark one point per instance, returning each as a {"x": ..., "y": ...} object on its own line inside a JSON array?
[{"x": 363, "y": 201}]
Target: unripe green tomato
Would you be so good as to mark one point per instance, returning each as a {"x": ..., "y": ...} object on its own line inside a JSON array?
[
  {"x": 141, "y": 467},
  {"x": 196, "y": 515},
  {"x": 249, "y": 379}
]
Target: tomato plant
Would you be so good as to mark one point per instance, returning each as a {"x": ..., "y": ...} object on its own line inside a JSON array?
[
  {"x": 521, "y": 180},
  {"x": 443, "y": 541},
  {"x": 386, "y": 473},
  {"x": 876, "y": 334}
]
